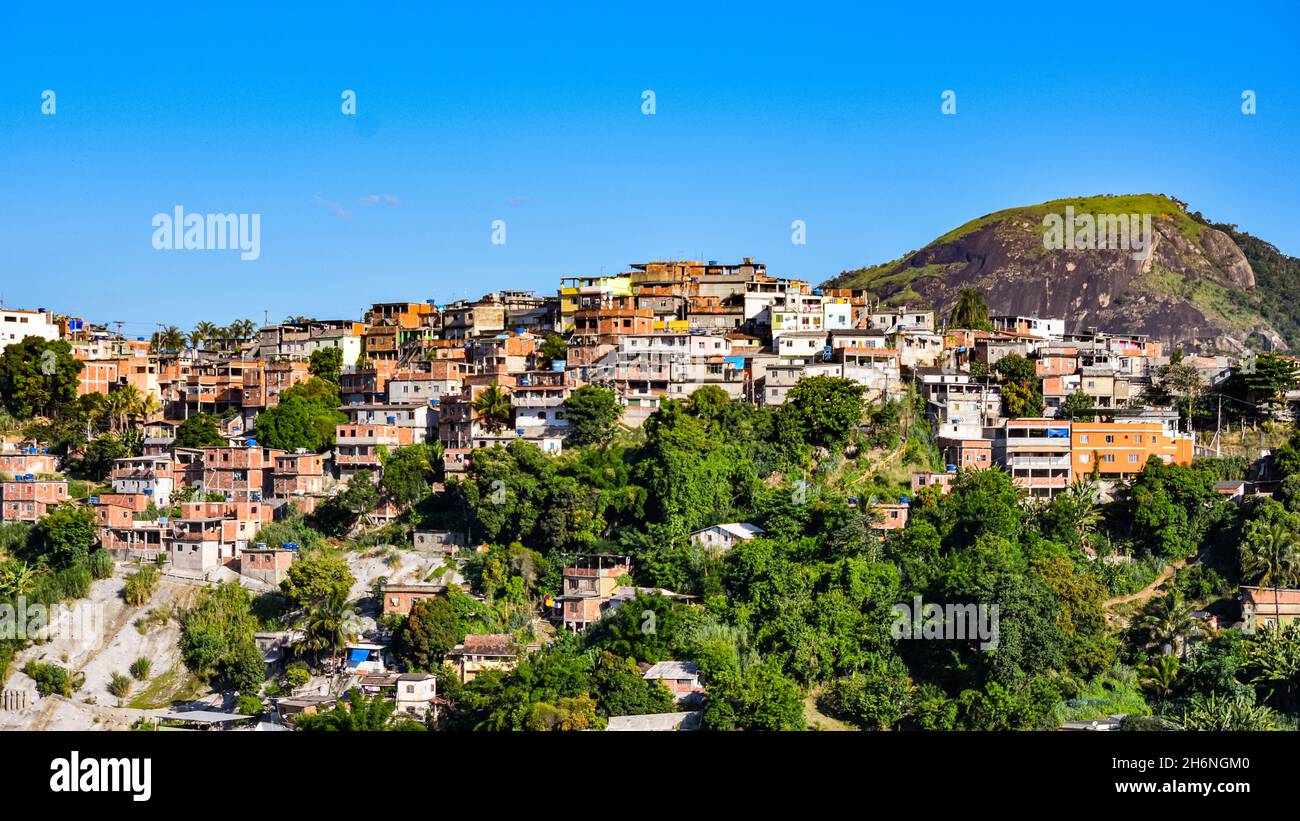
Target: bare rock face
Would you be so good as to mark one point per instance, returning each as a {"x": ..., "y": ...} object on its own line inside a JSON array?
[
  {"x": 1178, "y": 288},
  {"x": 1225, "y": 256}
]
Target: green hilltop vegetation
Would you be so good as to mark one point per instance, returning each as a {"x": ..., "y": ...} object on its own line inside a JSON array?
[{"x": 1272, "y": 301}]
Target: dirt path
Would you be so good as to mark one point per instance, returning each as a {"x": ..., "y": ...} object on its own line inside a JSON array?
[
  {"x": 881, "y": 464},
  {"x": 1149, "y": 592}
]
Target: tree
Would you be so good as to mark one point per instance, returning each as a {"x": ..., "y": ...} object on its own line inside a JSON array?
[
  {"x": 199, "y": 431},
  {"x": 493, "y": 408},
  {"x": 1076, "y": 407},
  {"x": 592, "y": 413},
  {"x": 329, "y": 624},
  {"x": 621, "y": 690},
  {"x": 428, "y": 633},
  {"x": 66, "y": 534},
  {"x": 971, "y": 311},
  {"x": 568, "y": 714},
  {"x": 877, "y": 697},
  {"x": 761, "y": 697},
  {"x": 1021, "y": 388},
  {"x": 1016, "y": 368},
  {"x": 362, "y": 713},
  {"x": 327, "y": 364},
  {"x": 1182, "y": 380},
  {"x": 409, "y": 473},
  {"x": 203, "y": 332},
  {"x": 306, "y": 417},
  {"x": 339, "y": 513},
  {"x": 1270, "y": 553},
  {"x": 316, "y": 578},
  {"x": 1165, "y": 622},
  {"x": 101, "y": 455},
  {"x": 1269, "y": 380},
  {"x": 1073, "y": 516},
  {"x": 37, "y": 376},
  {"x": 822, "y": 411},
  {"x": 1160, "y": 675},
  {"x": 554, "y": 348},
  {"x": 217, "y": 638}
]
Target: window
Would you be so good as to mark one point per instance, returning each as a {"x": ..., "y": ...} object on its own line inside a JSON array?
[
  {"x": 1110, "y": 440},
  {"x": 1083, "y": 458},
  {"x": 1083, "y": 438},
  {"x": 1132, "y": 457},
  {"x": 1109, "y": 457}
]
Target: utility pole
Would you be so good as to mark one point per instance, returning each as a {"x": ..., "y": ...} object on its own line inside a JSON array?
[{"x": 1218, "y": 422}]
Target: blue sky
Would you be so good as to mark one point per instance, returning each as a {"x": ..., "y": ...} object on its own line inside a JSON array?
[{"x": 826, "y": 113}]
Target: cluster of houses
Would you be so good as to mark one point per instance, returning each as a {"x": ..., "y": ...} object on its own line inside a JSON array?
[{"x": 661, "y": 330}]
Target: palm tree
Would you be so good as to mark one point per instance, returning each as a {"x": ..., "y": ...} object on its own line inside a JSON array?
[
  {"x": 327, "y": 627},
  {"x": 493, "y": 408},
  {"x": 119, "y": 404},
  {"x": 971, "y": 310},
  {"x": 143, "y": 406},
  {"x": 204, "y": 332},
  {"x": 169, "y": 340},
  {"x": 241, "y": 330},
  {"x": 1161, "y": 675},
  {"x": 1166, "y": 621},
  {"x": 1078, "y": 510},
  {"x": 1272, "y": 555}
]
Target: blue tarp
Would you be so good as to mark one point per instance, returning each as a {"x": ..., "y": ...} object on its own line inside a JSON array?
[
  {"x": 1058, "y": 433},
  {"x": 358, "y": 655}
]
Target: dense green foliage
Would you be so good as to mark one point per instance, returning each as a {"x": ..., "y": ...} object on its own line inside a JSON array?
[
  {"x": 217, "y": 639},
  {"x": 305, "y": 417},
  {"x": 37, "y": 376},
  {"x": 199, "y": 431}
]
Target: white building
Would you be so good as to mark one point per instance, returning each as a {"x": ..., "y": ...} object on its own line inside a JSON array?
[
  {"x": 726, "y": 535},
  {"x": 15, "y": 326}
]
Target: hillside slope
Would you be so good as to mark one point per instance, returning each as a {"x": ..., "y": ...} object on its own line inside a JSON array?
[{"x": 1193, "y": 287}]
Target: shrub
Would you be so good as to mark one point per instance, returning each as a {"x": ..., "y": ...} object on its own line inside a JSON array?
[
  {"x": 50, "y": 679},
  {"x": 249, "y": 705},
  {"x": 120, "y": 685},
  {"x": 140, "y": 668},
  {"x": 101, "y": 564},
  {"x": 140, "y": 585},
  {"x": 297, "y": 674}
]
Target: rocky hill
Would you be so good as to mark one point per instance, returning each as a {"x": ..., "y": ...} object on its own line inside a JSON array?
[{"x": 1189, "y": 284}]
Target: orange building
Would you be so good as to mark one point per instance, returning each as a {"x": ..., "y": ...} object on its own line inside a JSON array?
[
  {"x": 1122, "y": 448},
  {"x": 26, "y": 500}
]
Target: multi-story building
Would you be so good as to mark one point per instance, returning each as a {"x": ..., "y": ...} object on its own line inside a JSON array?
[
  {"x": 26, "y": 498},
  {"x": 28, "y": 459},
  {"x": 589, "y": 585},
  {"x": 1037, "y": 454},
  {"x": 357, "y": 447},
  {"x": 298, "y": 474},
  {"x": 16, "y": 325},
  {"x": 1119, "y": 449},
  {"x": 239, "y": 473},
  {"x": 149, "y": 476},
  {"x": 415, "y": 423},
  {"x": 1029, "y": 326},
  {"x": 263, "y": 385}
]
